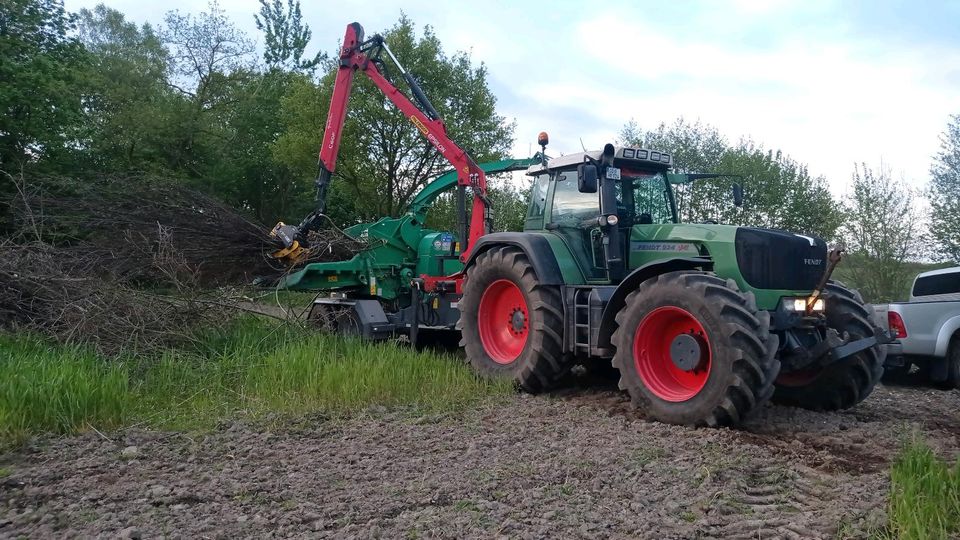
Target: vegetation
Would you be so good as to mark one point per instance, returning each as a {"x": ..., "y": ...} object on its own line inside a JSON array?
[
  {"x": 924, "y": 496},
  {"x": 779, "y": 192},
  {"x": 885, "y": 235},
  {"x": 251, "y": 368},
  {"x": 189, "y": 99},
  {"x": 944, "y": 193}
]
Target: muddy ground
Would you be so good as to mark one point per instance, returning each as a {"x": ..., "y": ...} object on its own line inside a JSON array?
[{"x": 575, "y": 464}]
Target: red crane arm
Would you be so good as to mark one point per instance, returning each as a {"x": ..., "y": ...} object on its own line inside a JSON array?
[{"x": 354, "y": 58}]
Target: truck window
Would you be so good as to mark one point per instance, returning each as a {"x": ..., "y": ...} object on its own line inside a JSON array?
[{"x": 937, "y": 284}]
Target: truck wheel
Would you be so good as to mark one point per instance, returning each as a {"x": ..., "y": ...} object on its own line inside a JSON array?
[
  {"x": 843, "y": 384},
  {"x": 692, "y": 349},
  {"x": 953, "y": 365},
  {"x": 511, "y": 325}
]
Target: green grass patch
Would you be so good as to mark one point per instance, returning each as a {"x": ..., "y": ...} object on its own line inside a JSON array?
[
  {"x": 924, "y": 495},
  {"x": 58, "y": 389},
  {"x": 253, "y": 367}
]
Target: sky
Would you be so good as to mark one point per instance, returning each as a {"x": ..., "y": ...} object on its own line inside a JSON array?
[{"x": 831, "y": 83}]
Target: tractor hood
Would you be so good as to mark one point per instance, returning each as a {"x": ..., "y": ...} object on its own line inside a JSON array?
[
  {"x": 772, "y": 259},
  {"x": 770, "y": 262}
]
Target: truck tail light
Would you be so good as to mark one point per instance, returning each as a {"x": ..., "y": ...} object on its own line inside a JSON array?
[{"x": 897, "y": 328}]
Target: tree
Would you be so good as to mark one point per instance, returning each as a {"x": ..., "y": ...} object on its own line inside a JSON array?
[
  {"x": 384, "y": 160},
  {"x": 285, "y": 36},
  {"x": 256, "y": 180},
  {"x": 39, "y": 99},
  {"x": 209, "y": 59},
  {"x": 944, "y": 193},
  {"x": 126, "y": 100},
  {"x": 779, "y": 191},
  {"x": 882, "y": 233}
]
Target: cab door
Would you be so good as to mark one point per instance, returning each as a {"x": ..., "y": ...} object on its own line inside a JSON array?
[{"x": 573, "y": 217}]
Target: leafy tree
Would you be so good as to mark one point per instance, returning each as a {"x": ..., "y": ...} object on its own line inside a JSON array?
[
  {"x": 779, "y": 191},
  {"x": 944, "y": 193},
  {"x": 209, "y": 59},
  {"x": 39, "y": 61},
  {"x": 285, "y": 36},
  {"x": 257, "y": 181},
  {"x": 126, "y": 100},
  {"x": 883, "y": 233},
  {"x": 383, "y": 159}
]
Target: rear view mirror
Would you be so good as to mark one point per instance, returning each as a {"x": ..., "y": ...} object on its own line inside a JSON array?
[
  {"x": 587, "y": 178},
  {"x": 737, "y": 195}
]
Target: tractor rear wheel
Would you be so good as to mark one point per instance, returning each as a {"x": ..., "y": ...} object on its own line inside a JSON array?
[
  {"x": 843, "y": 384},
  {"x": 692, "y": 349},
  {"x": 511, "y": 325}
]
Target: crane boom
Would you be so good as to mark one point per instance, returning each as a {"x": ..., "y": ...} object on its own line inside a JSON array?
[{"x": 363, "y": 56}]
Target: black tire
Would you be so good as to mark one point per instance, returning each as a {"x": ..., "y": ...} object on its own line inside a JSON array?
[
  {"x": 541, "y": 363},
  {"x": 845, "y": 383},
  {"x": 743, "y": 365},
  {"x": 953, "y": 365},
  {"x": 332, "y": 319}
]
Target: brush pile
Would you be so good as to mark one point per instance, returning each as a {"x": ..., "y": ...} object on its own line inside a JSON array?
[
  {"x": 129, "y": 263},
  {"x": 131, "y": 224}
]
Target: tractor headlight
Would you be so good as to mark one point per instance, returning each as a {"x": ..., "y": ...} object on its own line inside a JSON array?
[
  {"x": 612, "y": 220},
  {"x": 800, "y": 305}
]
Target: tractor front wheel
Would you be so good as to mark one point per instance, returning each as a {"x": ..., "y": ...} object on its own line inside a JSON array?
[
  {"x": 843, "y": 384},
  {"x": 692, "y": 349},
  {"x": 511, "y": 325}
]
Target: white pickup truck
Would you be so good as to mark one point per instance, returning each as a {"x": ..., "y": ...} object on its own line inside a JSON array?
[{"x": 927, "y": 328}]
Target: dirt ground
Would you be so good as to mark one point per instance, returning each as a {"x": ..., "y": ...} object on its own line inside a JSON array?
[{"x": 575, "y": 464}]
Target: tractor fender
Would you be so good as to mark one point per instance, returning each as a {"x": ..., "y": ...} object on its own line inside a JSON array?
[
  {"x": 608, "y": 323},
  {"x": 535, "y": 246}
]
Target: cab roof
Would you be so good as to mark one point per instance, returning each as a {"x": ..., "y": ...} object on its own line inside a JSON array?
[{"x": 624, "y": 156}]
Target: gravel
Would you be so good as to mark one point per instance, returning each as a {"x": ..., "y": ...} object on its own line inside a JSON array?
[{"x": 575, "y": 464}]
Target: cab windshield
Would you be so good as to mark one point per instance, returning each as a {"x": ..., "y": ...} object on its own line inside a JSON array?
[{"x": 641, "y": 199}]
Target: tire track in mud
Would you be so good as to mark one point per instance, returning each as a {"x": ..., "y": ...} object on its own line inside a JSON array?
[{"x": 772, "y": 501}]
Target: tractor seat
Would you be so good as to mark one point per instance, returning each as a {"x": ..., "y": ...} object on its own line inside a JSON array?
[{"x": 645, "y": 219}]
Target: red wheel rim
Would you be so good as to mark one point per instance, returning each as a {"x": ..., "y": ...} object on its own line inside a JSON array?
[
  {"x": 651, "y": 354},
  {"x": 503, "y": 321}
]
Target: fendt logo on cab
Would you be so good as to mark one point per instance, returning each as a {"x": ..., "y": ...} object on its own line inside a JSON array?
[{"x": 813, "y": 262}]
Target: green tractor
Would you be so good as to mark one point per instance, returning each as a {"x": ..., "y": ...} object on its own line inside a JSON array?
[{"x": 704, "y": 322}]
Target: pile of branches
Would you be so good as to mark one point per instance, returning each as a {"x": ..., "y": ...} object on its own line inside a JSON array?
[
  {"x": 132, "y": 262},
  {"x": 64, "y": 294},
  {"x": 128, "y": 222}
]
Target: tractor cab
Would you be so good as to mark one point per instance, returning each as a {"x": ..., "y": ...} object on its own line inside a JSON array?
[{"x": 595, "y": 216}]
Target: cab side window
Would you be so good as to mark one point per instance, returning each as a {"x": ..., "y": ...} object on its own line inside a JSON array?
[{"x": 538, "y": 196}]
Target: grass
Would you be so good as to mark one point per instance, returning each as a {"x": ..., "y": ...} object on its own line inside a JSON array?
[
  {"x": 252, "y": 368},
  {"x": 924, "y": 495}
]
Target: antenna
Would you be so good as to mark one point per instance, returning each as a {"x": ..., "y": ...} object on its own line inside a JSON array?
[{"x": 583, "y": 145}]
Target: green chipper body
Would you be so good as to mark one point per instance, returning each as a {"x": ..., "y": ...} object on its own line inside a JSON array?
[{"x": 396, "y": 252}]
